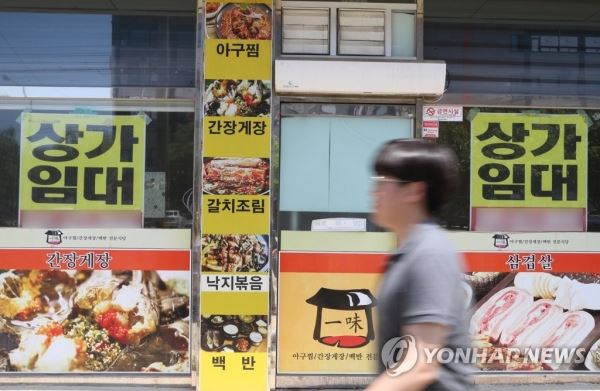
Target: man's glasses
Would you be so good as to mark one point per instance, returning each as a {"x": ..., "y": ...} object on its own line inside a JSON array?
[{"x": 384, "y": 179}]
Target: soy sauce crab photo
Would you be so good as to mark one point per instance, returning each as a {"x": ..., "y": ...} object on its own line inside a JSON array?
[{"x": 92, "y": 321}]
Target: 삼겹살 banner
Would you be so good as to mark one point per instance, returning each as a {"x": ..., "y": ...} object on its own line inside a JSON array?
[{"x": 534, "y": 299}]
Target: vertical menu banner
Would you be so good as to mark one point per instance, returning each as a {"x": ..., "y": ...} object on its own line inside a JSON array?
[{"x": 236, "y": 162}]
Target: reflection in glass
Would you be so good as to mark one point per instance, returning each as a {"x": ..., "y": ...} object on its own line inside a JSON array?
[
  {"x": 96, "y": 50},
  {"x": 456, "y": 135},
  {"x": 517, "y": 58},
  {"x": 169, "y": 158}
]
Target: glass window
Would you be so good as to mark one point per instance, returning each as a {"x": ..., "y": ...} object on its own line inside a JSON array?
[
  {"x": 9, "y": 167},
  {"x": 96, "y": 49},
  {"x": 361, "y": 32},
  {"x": 403, "y": 35},
  {"x": 457, "y": 136},
  {"x": 592, "y": 44},
  {"x": 569, "y": 44},
  {"x": 325, "y": 161},
  {"x": 305, "y": 30},
  {"x": 349, "y": 29},
  {"x": 515, "y": 58},
  {"x": 353, "y": 143},
  {"x": 549, "y": 43},
  {"x": 304, "y": 181},
  {"x": 593, "y": 185},
  {"x": 168, "y": 166}
]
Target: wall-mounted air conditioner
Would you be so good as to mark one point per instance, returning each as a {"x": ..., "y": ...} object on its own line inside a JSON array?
[{"x": 359, "y": 78}]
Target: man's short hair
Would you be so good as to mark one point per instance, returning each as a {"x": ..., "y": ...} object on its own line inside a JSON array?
[{"x": 417, "y": 160}]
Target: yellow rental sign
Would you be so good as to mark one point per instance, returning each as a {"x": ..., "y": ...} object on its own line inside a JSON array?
[
  {"x": 82, "y": 162},
  {"x": 528, "y": 160}
]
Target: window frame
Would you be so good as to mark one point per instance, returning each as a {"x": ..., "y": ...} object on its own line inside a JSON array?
[
  {"x": 109, "y": 107},
  {"x": 328, "y": 30},
  {"x": 300, "y": 220},
  {"x": 373, "y": 10},
  {"x": 334, "y": 7}
]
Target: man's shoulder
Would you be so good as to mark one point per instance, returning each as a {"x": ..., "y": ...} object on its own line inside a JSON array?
[
  {"x": 433, "y": 250},
  {"x": 431, "y": 238}
]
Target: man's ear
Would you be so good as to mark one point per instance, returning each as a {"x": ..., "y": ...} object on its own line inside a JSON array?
[{"x": 416, "y": 192}]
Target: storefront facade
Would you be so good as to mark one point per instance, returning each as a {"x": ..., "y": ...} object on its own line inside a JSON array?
[
  {"x": 193, "y": 179},
  {"x": 101, "y": 94}
]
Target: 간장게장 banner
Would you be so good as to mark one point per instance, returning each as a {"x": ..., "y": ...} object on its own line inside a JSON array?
[
  {"x": 95, "y": 300},
  {"x": 235, "y": 224}
]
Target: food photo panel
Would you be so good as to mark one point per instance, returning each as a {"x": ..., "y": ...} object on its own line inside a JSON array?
[
  {"x": 241, "y": 176},
  {"x": 234, "y": 333},
  {"x": 530, "y": 311},
  {"x": 235, "y": 253},
  {"x": 243, "y": 98},
  {"x": 238, "y": 21},
  {"x": 94, "y": 321}
]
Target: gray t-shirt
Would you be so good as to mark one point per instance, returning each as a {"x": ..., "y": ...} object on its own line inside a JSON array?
[{"x": 422, "y": 285}]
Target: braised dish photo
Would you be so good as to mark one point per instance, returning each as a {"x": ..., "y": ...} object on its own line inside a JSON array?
[
  {"x": 90, "y": 321},
  {"x": 212, "y": 8},
  {"x": 245, "y": 98},
  {"x": 235, "y": 253},
  {"x": 236, "y": 333},
  {"x": 244, "y": 21},
  {"x": 247, "y": 176}
]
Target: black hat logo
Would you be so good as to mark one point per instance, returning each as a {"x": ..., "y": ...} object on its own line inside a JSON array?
[
  {"x": 54, "y": 236},
  {"x": 501, "y": 240},
  {"x": 344, "y": 317}
]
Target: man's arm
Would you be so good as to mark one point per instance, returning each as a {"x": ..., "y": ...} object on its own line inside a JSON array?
[{"x": 428, "y": 336}]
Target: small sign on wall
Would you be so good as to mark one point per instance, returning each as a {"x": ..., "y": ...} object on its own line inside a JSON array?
[
  {"x": 431, "y": 129},
  {"x": 443, "y": 113}
]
